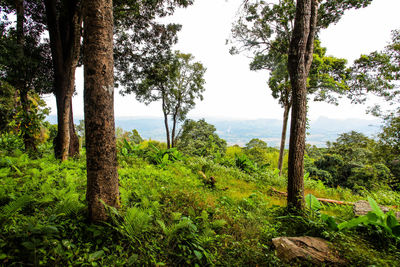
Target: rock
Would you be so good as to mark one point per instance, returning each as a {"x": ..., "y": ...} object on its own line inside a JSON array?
[
  {"x": 308, "y": 248},
  {"x": 362, "y": 207}
]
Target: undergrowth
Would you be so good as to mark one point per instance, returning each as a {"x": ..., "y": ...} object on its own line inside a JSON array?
[{"x": 168, "y": 215}]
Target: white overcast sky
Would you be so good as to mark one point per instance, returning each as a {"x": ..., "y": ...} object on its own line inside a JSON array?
[{"x": 232, "y": 90}]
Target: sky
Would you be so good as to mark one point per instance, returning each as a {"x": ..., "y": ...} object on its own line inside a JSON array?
[{"x": 235, "y": 92}]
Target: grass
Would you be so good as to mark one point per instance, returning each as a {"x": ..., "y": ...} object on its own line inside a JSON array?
[{"x": 168, "y": 216}]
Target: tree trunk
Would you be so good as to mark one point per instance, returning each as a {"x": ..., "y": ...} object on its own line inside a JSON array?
[
  {"x": 299, "y": 63},
  {"x": 174, "y": 121},
  {"x": 283, "y": 137},
  {"x": 29, "y": 140},
  {"x": 74, "y": 140},
  {"x": 27, "y": 136},
  {"x": 66, "y": 143},
  {"x": 166, "y": 121},
  {"x": 173, "y": 131},
  {"x": 64, "y": 24},
  {"x": 62, "y": 139},
  {"x": 101, "y": 154}
]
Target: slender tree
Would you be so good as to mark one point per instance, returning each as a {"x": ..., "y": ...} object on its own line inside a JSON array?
[
  {"x": 176, "y": 81},
  {"x": 102, "y": 175},
  {"x": 299, "y": 64}
]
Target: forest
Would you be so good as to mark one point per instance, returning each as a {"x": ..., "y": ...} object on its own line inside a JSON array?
[{"x": 91, "y": 194}]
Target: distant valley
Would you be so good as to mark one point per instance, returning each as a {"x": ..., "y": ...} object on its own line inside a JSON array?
[{"x": 240, "y": 131}]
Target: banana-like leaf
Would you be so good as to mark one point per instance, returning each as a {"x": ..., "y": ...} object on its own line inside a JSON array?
[
  {"x": 312, "y": 202},
  {"x": 375, "y": 208},
  {"x": 353, "y": 222}
]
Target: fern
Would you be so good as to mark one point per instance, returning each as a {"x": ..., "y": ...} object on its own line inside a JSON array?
[
  {"x": 14, "y": 206},
  {"x": 133, "y": 224}
]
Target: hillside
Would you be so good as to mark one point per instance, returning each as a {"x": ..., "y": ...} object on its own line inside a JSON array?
[
  {"x": 242, "y": 131},
  {"x": 170, "y": 214}
]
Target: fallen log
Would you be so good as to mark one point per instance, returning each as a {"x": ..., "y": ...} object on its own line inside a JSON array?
[{"x": 339, "y": 202}]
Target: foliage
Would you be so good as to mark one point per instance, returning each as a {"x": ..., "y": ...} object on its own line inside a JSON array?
[
  {"x": 176, "y": 81},
  {"x": 378, "y": 73},
  {"x": 167, "y": 216},
  {"x": 200, "y": 138},
  {"x": 353, "y": 161},
  {"x": 7, "y": 105},
  {"x": 387, "y": 221}
]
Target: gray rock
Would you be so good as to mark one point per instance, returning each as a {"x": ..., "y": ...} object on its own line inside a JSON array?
[
  {"x": 308, "y": 248},
  {"x": 362, "y": 207}
]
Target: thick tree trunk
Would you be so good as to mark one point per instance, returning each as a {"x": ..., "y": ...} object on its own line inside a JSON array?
[
  {"x": 66, "y": 143},
  {"x": 283, "y": 137},
  {"x": 299, "y": 63},
  {"x": 102, "y": 175},
  {"x": 64, "y": 23},
  {"x": 62, "y": 139}
]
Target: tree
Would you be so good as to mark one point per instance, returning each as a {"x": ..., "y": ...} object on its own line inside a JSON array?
[
  {"x": 25, "y": 65},
  {"x": 389, "y": 145},
  {"x": 199, "y": 138},
  {"x": 102, "y": 175},
  {"x": 185, "y": 88},
  {"x": 265, "y": 30},
  {"x": 378, "y": 73},
  {"x": 63, "y": 20},
  {"x": 353, "y": 161},
  {"x": 64, "y": 23},
  {"x": 177, "y": 82},
  {"x": 299, "y": 63}
]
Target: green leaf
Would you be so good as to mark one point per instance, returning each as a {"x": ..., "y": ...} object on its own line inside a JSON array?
[
  {"x": 372, "y": 217},
  {"x": 312, "y": 202},
  {"x": 96, "y": 255},
  {"x": 353, "y": 222},
  {"x": 198, "y": 254},
  {"x": 375, "y": 207},
  {"x": 330, "y": 221},
  {"x": 165, "y": 158}
]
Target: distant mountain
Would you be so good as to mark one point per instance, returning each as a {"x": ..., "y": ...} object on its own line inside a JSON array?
[{"x": 236, "y": 131}]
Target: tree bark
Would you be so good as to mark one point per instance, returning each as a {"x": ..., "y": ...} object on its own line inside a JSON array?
[
  {"x": 174, "y": 121},
  {"x": 101, "y": 154},
  {"x": 299, "y": 63},
  {"x": 27, "y": 136},
  {"x": 166, "y": 121},
  {"x": 74, "y": 140},
  {"x": 283, "y": 137},
  {"x": 64, "y": 27}
]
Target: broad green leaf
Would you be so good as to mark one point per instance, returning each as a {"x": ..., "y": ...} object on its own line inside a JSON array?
[
  {"x": 312, "y": 202},
  {"x": 372, "y": 217},
  {"x": 330, "y": 221},
  {"x": 375, "y": 207},
  {"x": 353, "y": 222}
]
